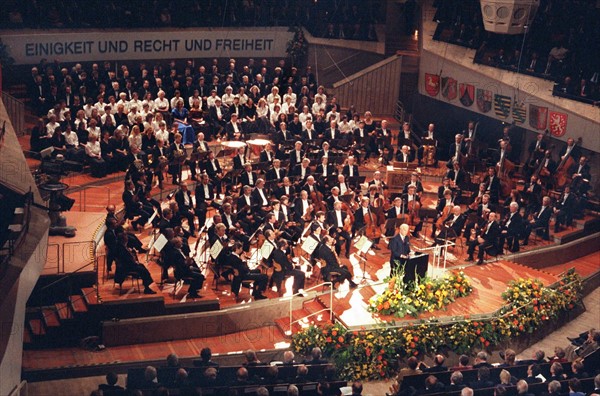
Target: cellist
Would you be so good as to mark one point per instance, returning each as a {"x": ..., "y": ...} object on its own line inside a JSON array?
[
  {"x": 412, "y": 202},
  {"x": 367, "y": 220},
  {"x": 337, "y": 220}
]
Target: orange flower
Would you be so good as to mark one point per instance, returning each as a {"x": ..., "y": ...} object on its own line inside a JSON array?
[
  {"x": 487, "y": 343},
  {"x": 416, "y": 339},
  {"x": 412, "y": 345},
  {"x": 328, "y": 339},
  {"x": 481, "y": 339},
  {"x": 341, "y": 339},
  {"x": 368, "y": 351},
  {"x": 334, "y": 333},
  {"x": 386, "y": 305}
]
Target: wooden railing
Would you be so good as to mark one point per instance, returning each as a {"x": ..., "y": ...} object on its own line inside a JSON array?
[{"x": 16, "y": 112}]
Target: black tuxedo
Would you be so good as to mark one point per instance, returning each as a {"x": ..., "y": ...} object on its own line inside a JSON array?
[
  {"x": 290, "y": 192},
  {"x": 297, "y": 172},
  {"x": 400, "y": 156},
  {"x": 462, "y": 149},
  {"x": 493, "y": 188},
  {"x": 264, "y": 156},
  {"x": 458, "y": 176},
  {"x": 127, "y": 262},
  {"x": 186, "y": 211},
  {"x": 332, "y": 265},
  {"x": 337, "y": 230},
  {"x": 134, "y": 208},
  {"x": 229, "y": 130},
  {"x": 511, "y": 231},
  {"x": 296, "y": 158},
  {"x": 245, "y": 179},
  {"x": 490, "y": 234},
  {"x": 331, "y": 171},
  {"x": 346, "y": 171},
  {"x": 566, "y": 206},
  {"x": 184, "y": 270},
  {"x": 244, "y": 273},
  {"x": 284, "y": 268},
  {"x": 238, "y": 163},
  {"x": 272, "y": 175},
  {"x": 212, "y": 170}
]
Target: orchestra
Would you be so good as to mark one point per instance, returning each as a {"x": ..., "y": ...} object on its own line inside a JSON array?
[{"x": 258, "y": 202}]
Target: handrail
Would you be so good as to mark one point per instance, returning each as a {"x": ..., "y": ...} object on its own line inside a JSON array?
[
  {"x": 330, "y": 309},
  {"x": 378, "y": 65},
  {"x": 20, "y": 390},
  {"x": 16, "y": 112}
]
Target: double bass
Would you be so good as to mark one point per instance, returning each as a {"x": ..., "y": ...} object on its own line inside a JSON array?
[{"x": 561, "y": 176}]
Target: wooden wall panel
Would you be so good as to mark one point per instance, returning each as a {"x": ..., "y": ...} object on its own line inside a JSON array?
[{"x": 375, "y": 90}]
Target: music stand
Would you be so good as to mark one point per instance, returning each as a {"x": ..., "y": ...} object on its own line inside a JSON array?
[
  {"x": 198, "y": 156},
  {"x": 363, "y": 245}
]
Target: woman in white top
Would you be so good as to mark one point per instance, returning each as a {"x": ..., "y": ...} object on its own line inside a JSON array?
[
  {"x": 195, "y": 96},
  {"x": 162, "y": 104},
  {"x": 94, "y": 129},
  {"x": 227, "y": 98},
  {"x": 275, "y": 114},
  {"x": 274, "y": 94},
  {"x": 318, "y": 105},
  {"x": 161, "y": 132},
  {"x": 148, "y": 100},
  {"x": 290, "y": 93},
  {"x": 135, "y": 138},
  {"x": 134, "y": 102},
  {"x": 74, "y": 151},
  {"x": 285, "y": 107},
  {"x": 242, "y": 95},
  {"x": 94, "y": 156},
  {"x": 79, "y": 118},
  {"x": 305, "y": 115}
]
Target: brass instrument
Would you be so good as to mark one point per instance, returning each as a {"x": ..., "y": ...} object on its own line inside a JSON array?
[
  {"x": 179, "y": 156},
  {"x": 139, "y": 164}
]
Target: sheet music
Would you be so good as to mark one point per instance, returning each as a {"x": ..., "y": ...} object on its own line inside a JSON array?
[
  {"x": 363, "y": 244},
  {"x": 266, "y": 250},
  {"x": 309, "y": 245},
  {"x": 160, "y": 242},
  {"x": 215, "y": 249}
]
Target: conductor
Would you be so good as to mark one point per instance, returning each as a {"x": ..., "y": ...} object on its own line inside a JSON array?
[{"x": 399, "y": 248}]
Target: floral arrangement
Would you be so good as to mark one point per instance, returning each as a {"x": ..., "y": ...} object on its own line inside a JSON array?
[
  {"x": 426, "y": 295},
  {"x": 373, "y": 354}
]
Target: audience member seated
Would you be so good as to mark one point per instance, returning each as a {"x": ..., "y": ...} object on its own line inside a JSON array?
[
  {"x": 111, "y": 387},
  {"x": 463, "y": 364},
  {"x": 483, "y": 379},
  {"x": 205, "y": 359},
  {"x": 456, "y": 382},
  {"x": 523, "y": 388}
]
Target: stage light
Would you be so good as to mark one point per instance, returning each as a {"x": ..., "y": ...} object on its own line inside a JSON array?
[{"x": 508, "y": 16}]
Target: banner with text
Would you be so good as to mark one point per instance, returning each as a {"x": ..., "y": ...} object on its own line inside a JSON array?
[{"x": 132, "y": 45}]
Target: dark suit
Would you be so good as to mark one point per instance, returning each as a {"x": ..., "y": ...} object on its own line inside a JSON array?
[
  {"x": 332, "y": 265},
  {"x": 398, "y": 247},
  {"x": 346, "y": 171},
  {"x": 183, "y": 270},
  {"x": 287, "y": 269},
  {"x": 134, "y": 208},
  {"x": 186, "y": 211},
  {"x": 460, "y": 178},
  {"x": 244, "y": 273},
  {"x": 238, "y": 163},
  {"x": 493, "y": 188},
  {"x": 514, "y": 230},
  {"x": 127, "y": 262},
  {"x": 110, "y": 241},
  {"x": 566, "y": 206},
  {"x": 541, "y": 223},
  {"x": 272, "y": 175},
  {"x": 245, "y": 179},
  {"x": 490, "y": 236},
  {"x": 342, "y": 236},
  {"x": 201, "y": 201}
]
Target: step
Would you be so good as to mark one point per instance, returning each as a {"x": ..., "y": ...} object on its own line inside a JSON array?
[
  {"x": 27, "y": 338},
  {"x": 64, "y": 311},
  {"x": 37, "y": 327},
  {"x": 51, "y": 318},
  {"x": 78, "y": 304},
  {"x": 568, "y": 235},
  {"x": 90, "y": 295}
]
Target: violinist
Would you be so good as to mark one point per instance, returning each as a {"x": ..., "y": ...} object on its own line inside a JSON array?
[
  {"x": 235, "y": 227},
  {"x": 378, "y": 182},
  {"x": 399, "y": 249},
  {"x": 200, "y": 146},
  {"x": 325, "y": 169},
  {"x": 276, "y": 172},
  {"x": 476, "y": 198},
  {"x": 133, "y": 206},
  {"x": 412, "y": 204},
  {"x": 311, "y": 186},
  {"x": 365, "y": 216},
  {"x": 344, "y": 187},
  {"x": 563, "y": 209},
  {"x": 261, "y": 197},
  {"x": 301, "y": 171},
  {"x": 492, "y": 185},
  {"x": 303, "y": 208},
  {"x": 240, "y": 159},
  {"x": 486, "y": 204},
  {"x": 268, "y": 154},
  {"x": 205, "y": 196},
  {"x": 333, "y": 197},
  {"x": 445, "y": 186},
  {"x": 452, "y": 226},
  {"x": 287, "y": 189},
  {"x": 212, "y": 167},
  {"x": 512, "y": 228},
  {"x": 533, "y": 194},
  {"x": 384, "y": 141},
  {"x": 414, "y": 182},
  {"x": 185, "y": 268},
  {"x": 296, "y": 156},
  {"x": 539, "y": 221},
  {"x": 245, "y": 273},
  {"x": 457, "y": 175},
  {"x": 536, "y": 150},
  {"x": 289, "y": 229},
  {"x": 350, "y": 170},
  {"x": 248, "y": 177},
  {"x": 246, "y": 208},
  {"x": 396, "y": 211},
  {"x": 487, "y": 238},
  {"x": 340, "y": 229},
  {"x": 332, "y": 264},
  {"x": 281, "y": 259}
]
